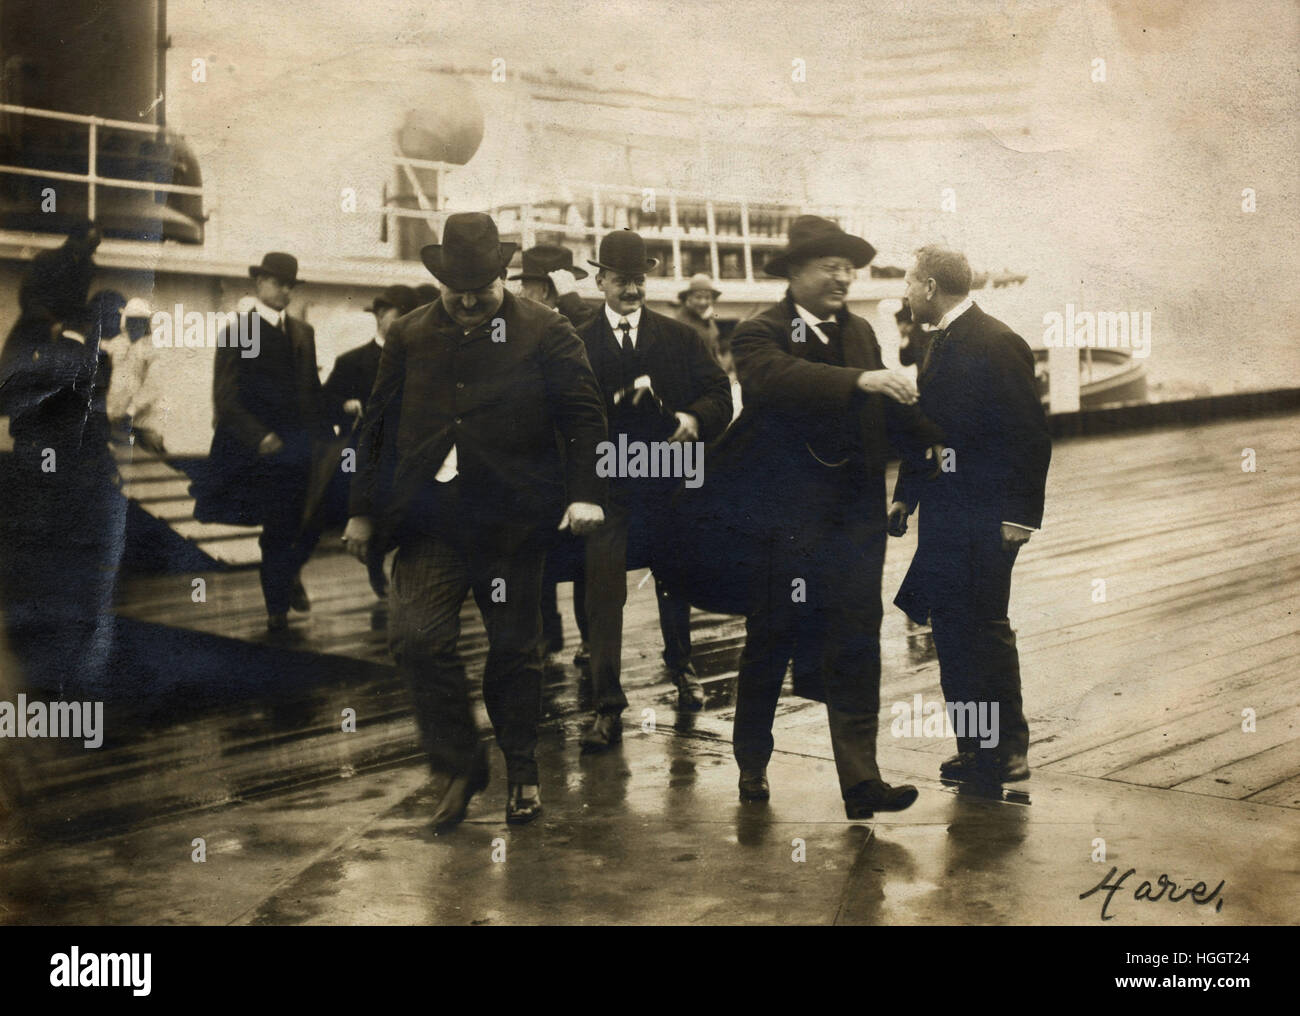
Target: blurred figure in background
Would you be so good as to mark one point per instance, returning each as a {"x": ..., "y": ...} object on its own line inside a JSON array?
[
  {"x": 132, "y": 401},
  {"x": 345, "y": 396},
  {"x": 62, "y": 518},
  {"x": 696, "y": 310}
]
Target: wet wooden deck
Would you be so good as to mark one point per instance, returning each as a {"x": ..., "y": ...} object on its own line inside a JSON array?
[{"x": 1201, "y": 569}]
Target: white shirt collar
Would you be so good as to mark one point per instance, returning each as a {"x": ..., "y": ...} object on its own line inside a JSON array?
[
  {"x": 633, "y": 319},
  {"x": 378, "y": 340},
  {"x": 812, "y": 320},
  {"x": 271, "y": 317},
  {"x": 956, "y": 312}
]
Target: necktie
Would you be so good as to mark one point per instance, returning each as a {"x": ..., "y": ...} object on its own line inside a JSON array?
[{"x": 628, "y": 356}]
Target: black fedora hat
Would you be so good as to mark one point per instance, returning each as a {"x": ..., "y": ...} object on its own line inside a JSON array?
[
  {"x": 471, "y": 254},
  {"x": 540, "y": 261},
  {"x": 279, "y": 265},
  {"x": 811, "y": 236},
  {"x": 402, "y": 298},
  {"x": 623, "y": 251}
]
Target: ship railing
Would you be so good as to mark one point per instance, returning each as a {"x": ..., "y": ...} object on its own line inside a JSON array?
[{"x": 92, "y": 178}]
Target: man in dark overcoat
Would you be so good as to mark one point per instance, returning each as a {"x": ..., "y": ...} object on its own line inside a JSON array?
[
  {"x": 977, "y": 511},
  {"x": 660, "y": 385},
  {"x": 791, "y": 519},
  {"x": 459, "y": 466},
  {"x": 269, "y": 418}
]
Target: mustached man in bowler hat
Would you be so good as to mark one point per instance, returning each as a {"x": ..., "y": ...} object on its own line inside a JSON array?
[
  {"x": 793, "y": 518},
  {"x": 660, "y": 384},
  {"x": 459, "y": 467},
  {"x": 270, "y": 416}
]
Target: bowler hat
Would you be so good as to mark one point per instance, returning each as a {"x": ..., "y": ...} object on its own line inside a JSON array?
[
  {"x": 540, "y": 261},
  {"x": 278, "y": 265},
  {"x": 811, "y": 236},
  {"x": 623, "y": 251},
  {"x": 470, "y": 255},
  {"x": 699, "y": 281},
  {"x": 402, "y": 298}
]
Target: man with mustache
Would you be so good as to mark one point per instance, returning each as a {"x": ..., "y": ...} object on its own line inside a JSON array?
[
  {"x": 459, "y": 467},
  {"x": 685, "y": 396},
  {"x": 977, "y": 383},
  {"x": 792, "y": 521}
]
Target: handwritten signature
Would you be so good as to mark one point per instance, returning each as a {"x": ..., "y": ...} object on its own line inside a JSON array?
[{"x": 1200, "y": 893}]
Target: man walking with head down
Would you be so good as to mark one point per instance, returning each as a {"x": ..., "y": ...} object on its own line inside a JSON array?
[{"x": 459, "y": 467}]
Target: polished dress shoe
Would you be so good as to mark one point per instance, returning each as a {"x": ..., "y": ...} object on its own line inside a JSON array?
[
  {"x": 1010, "y": 768},
  {"x": 753, "y": 785},
  {"x": 298, "y": 599},
  {"x": 690, "y": 693},
  {"x": 452, "y": 808},
  {"x": 523, "y": 803},
  {"x": 871, "y": 796},
  {"x": 605, "y": 732},
  {"x": 964, "y": 765}
]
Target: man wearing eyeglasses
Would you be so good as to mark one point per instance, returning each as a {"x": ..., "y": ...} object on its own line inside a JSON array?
[{"x": 799, "y": 481}]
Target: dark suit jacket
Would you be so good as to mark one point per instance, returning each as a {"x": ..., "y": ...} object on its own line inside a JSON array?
[
  {"x": 499, "y": 403},
  {"x": 353, "y": 377},
  {"x": 978, "y": 385},
  {"x": 579, "y": 312},
  {"x": 756, "y": 476},
  {"x": 278, "y": 391},
  {"x": 682, "y": 373}
]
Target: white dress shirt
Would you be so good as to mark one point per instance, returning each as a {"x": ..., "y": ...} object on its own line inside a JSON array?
[
  {"x": 633, "y": 319},
  {"x": 271, "y": 317},
  {"x": 812, "y": 320}
]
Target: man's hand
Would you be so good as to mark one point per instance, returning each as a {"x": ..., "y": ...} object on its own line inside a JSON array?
[
  {"x": 564, "y": 281},
  {"x": 935, "y": 451},
  {"x": 270, "y": 444},
  {"x": 356, "y": 537},
  {"x": 893, "y": 384},
  {"x": 353, "y": 407},
  {"x": 688, "y": 428},
  {"x": 898, "y": 518},
  {"x": 580, "y": 518},
  {"x": 1013, "y": 536}
]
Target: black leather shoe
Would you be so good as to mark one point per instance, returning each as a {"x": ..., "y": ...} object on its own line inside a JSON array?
[
  {"x": 582, "y": 658},
  {"x": 523, "y": 803},
  {"x": 753, "y": 785},
  {"x": 1010, "y": 768},
  {"x": 962, "y": 766},
  {"x": 871, "y": 796},
  {"x": 452, "y": 808},
  {"x": 276, "y": 623},
  {"x": 605, "y": 732},
  {"x": 690, "y": 693},
  {"x": 298, "y": 599}
]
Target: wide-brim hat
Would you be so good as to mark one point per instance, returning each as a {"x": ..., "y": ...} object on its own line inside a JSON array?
[
  {"x": 402, "y": 298},
  {"x": 700, "y": 282},
  {"x": 538, "y": 263},
  {"x": 278, "y": 265},
  {"x": 811, "y": 236},
  {"x": 623, "y": 252},
  {"x": 471, "y": 254}
]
